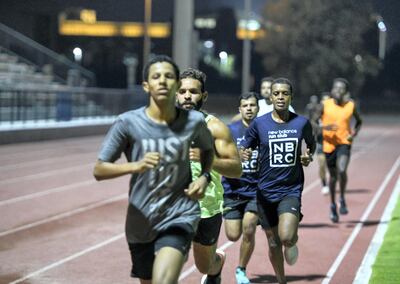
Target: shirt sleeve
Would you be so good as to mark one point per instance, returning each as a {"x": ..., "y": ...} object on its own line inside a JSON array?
[
  {"x": 114, "y": 143},
  {"x": 309, "y": 137},
  {"x": 251, "y": 138},
  {"x": 203, "y": 138}
]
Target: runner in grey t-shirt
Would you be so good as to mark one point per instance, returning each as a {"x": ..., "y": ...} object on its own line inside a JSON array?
[
  {"x": 163, "y": 210},
  {"x": 157, "y": 199}
]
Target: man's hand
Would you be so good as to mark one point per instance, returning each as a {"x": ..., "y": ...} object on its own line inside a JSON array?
[
  {"x": 194, "y": 154},
  {"x": 351, "y": 136},
  {"x": 197, "y": 188},
  {"x": 149, "y": 162},
  {"x": 245, "y": 154},
  {"x": 306, "y": 158}
]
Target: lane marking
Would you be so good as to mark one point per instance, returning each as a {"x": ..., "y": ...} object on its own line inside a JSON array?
[
  {"x": 69, "y": 258},
  {"x": 54, "y": 146},
  {"x": 71, "y": 157},
  {"x": 66, "y": 214},
  {"x": 365, "y": 270},
  {"x": 359, "y": 226},
  {"x": 184, "y": 274},
  {"x": 45, "y": 174},
  {"x": 47, "y": 192}
]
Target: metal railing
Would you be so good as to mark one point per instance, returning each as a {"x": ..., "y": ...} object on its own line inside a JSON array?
[
  {"x": 40, "y": 55},
  {"x": 22, "y": 104}
]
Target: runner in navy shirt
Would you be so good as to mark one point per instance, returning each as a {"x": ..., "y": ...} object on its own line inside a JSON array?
[
  {"x": 279, "y": 135},
  {"x": 240, "y": 205}
]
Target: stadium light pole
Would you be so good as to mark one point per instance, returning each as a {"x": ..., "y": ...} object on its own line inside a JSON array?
[
  {"x": 246, "y": 50},
  {"x": 184, "y": 37},
  {"x": 146, "y": 36},
  {"x": 382, "y": 37}
]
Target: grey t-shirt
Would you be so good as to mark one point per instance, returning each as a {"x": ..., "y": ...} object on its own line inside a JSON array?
[{"x": 156, "y": 197}]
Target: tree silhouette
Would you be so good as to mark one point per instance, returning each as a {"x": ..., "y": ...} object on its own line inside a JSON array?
[{"x": 311, "y": 42}]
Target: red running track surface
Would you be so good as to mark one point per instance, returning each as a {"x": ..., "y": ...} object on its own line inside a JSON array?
[{"x": 58, "y": 225}]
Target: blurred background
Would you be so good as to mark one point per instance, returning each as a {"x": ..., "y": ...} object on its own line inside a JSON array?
[{"x": 80, "y": 60}]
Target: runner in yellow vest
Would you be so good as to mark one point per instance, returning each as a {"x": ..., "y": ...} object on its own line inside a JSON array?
[{"x": 209, "y": 261}]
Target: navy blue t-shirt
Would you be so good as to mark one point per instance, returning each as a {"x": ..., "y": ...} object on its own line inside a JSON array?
[
  {"x": 281, "y": 173},
  {"x": 246, "y": 185}
]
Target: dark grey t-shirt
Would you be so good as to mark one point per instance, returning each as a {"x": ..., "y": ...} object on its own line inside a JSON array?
[{"x": 156, "y": 197}]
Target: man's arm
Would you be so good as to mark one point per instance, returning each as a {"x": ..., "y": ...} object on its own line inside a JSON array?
[
  {"x": 226, "y": 161},
  {"x": 358, "y": 119},
  {"x": 107, "y": 170},
  {"x": 308, "y": 136}
]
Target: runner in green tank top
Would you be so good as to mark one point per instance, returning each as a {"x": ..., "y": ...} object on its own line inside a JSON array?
[
  {"x": 212, "y": 202},
  {"x": 209, "y": 260}
]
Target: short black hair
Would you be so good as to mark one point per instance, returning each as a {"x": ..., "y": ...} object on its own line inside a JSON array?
[
  {"x": 267, "y": 79},
  {"x": 195, "y": 74},
  {"x": 342, "y": 80},
  {"x": 159, "y": 58},
  {"x": 285, "y": 81},
  {"x": 248, "y": 95}
]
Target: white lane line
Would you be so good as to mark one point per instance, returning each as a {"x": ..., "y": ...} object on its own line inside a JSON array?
[
  {"x": 358, "y": 227},
  {"x": 66, "y": 214},
  {"x": 26, "y": 164},
  {"x": 183, "y": 275},
  {"x": 364, "y": 272},
  {"x": 47, "y": 192},
  {"x": 69, "y": 258},
  {"x": 45, "y": 174},
  {"x": 193, "y": 268}
]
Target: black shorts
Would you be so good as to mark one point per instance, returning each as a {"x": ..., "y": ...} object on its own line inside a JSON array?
[
  {"x": 208, "y": 230},
  {"x": 269, "y": 211},
  {"x": 340, "y": 150},
  {"x": 236, "y": 207},
  {"x": 143, "y": 254}
]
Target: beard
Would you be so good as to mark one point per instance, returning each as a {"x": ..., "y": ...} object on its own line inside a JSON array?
[{"x": 196, "y": 106}]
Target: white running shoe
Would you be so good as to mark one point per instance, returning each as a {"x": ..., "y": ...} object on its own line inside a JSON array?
[
  {"x": 291, "y": 254},
  {"x": 325, "y": 190}
]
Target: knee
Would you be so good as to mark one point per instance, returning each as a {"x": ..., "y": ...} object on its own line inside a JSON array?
[
  {"x": 233, "y": 236},
  {"x": 249, "y": 232},
  {"x": 288, "y": 240}
]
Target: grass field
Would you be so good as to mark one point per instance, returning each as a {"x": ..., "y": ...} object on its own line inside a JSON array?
[{"x": 386, "y": 268}]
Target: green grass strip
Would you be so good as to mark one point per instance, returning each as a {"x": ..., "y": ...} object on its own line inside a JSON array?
[{"x": 386, "y": 268}]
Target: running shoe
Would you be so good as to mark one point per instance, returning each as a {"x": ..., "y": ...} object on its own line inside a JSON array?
[
  {"x": 215, "y": 279},
  {"x": 291, "y": 254},
  {"x": 343, "y": 208},
  {"x": 241, "y": 277},
  {"x": 325, "y": 190},
  {"x": 333, "y": 215}
]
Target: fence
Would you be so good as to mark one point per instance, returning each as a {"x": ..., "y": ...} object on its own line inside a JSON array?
[{"x": 23, "y": 104}]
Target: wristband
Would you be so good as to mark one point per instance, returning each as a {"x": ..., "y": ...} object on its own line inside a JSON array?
[{"x": 207, "y": 175}]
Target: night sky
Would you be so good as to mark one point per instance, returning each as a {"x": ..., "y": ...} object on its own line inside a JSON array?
[{"x": 388, "y": 9}]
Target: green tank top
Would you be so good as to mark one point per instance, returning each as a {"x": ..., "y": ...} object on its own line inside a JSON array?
[{"x": 212, "y": 203}]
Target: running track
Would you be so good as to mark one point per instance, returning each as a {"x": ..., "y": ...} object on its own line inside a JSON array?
[{"x": 58, "y": 225}]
